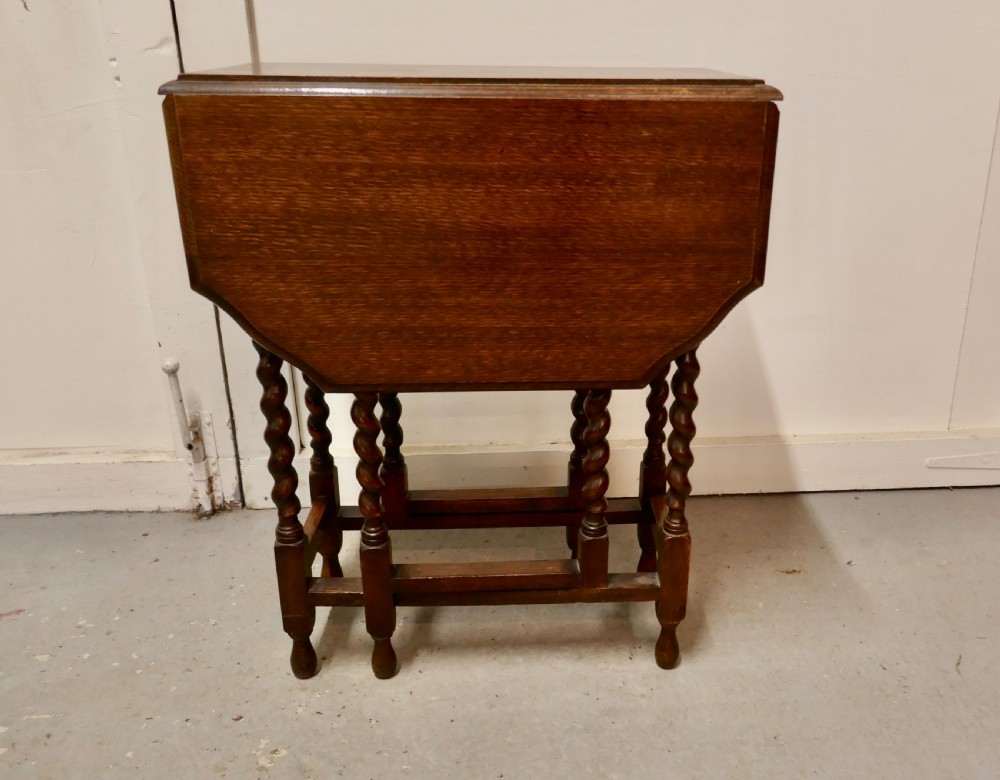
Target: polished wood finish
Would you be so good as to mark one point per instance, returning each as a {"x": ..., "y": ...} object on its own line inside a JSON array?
[
  {"x": 653, "y": 471},
  {"x": 674, "y": 541},
  {"x": 620, "y": 511},
  {"x": 376, "y": 548},
  {"x": 474, "y": 208},
  {"x": 393, "y": 470},
  {"x": 576, "y": 477},
  {"x": 311, "y": 526},
  {"x": 592, "y": 547},
  {"x": 483, "y": 82},
  {"x": 474, "y": 500},
  {"x": 348, "y": 592},
  {"x": 449, "y": 577},
  {"x": 484, "y": 228},
  {"x": 324, "y": 485},
  {"x": 298, "y": 614}
]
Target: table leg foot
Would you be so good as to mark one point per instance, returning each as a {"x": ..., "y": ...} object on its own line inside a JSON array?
[
  {"x": 303, "y": 659},
  {"x": 668, "y": 653},
  {"x": 384, "y": 662}
]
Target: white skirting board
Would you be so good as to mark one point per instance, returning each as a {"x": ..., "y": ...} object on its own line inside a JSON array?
[
  {"x": 752, "y": 465},
  {"x": 74, "y": 481},
  {"x": 37, "y": 482}
]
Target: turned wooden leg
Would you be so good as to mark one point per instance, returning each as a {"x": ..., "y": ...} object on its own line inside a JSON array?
[
  {"x": 323, "y": 482},
  {"x": 376, "y": 549},
  {"x": 593, "y": 537},
  {"x": 576, "y": 476},
  {"x": 297, "y": 615},
  {"x": 393, "y": 471},
  {"x": 653, "y": 471},
  {"x": 674, "y": 541}
]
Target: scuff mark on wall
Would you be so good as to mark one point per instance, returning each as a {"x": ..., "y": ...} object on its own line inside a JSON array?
[
  {"x": 76, "y": 107},
  {"x": 164, "y": 46}
]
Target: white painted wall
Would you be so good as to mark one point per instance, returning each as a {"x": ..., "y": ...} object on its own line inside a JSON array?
[
  {"x": 871, "y": 349},
  {"x": 977, "y": 386},
  {"x": 77, "y": 331},
  {"x": 93, "y": 279}
]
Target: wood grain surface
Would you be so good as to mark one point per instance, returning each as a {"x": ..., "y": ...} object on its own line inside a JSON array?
[{"x": 414, "y": 244}]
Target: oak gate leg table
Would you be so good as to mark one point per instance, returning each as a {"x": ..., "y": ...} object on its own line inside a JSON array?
[{"x": 394, "y": 229}]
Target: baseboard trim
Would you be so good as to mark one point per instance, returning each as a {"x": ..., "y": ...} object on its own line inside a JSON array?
[
  {"x": 36, "y": 482},
  {"x": 753, "y": 465},
  {"x": 43, "y": 482}
]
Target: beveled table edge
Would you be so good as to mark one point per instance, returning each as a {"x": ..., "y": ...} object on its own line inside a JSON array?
[{"x": 573, "y": 83}]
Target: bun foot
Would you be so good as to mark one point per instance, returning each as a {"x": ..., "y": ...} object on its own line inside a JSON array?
[
  {"x": 668, "y": 653},
  {"x": 304, "y": 662},
  {"x": 384, "y": 662}
]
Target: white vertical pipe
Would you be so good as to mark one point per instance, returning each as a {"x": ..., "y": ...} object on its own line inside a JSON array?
[
  {"x": 190, "y": 426},
  {"x": 170, "y": 368}
]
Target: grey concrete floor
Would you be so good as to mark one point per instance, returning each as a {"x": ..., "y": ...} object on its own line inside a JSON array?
[{"x": 829, "y": 635}]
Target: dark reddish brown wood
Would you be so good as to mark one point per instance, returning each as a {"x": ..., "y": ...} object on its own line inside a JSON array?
[
  {"x": 322, "y": 471},
  {"x": 336, "y": 592},
  {"x": 485, "y": 500},
  {"x": 324, "y": 485},
  {"x": 315, "y": 538},
  {"x": 474, "y": 207},
  {"x": 311, "y": 527},
  {"x": 674, "y": 541},
  {"x": 492, "y": 575},
  {"x": 329, "y": 543},
  {"x": 376, "y": 548},
  {"x": 619, "y": 511},
  {"x": 347, "y": 592},
  {"x": 592, "y": 547},
  {"x": 297, "y": 614},
  {"x": 393, "y": 471},
  {"x": 576, "y": 476},
  {"x": 576, "y": 432},
  {"x": 620, "y": 587},
  {"x": 766, "y": 182},
  {"x": 653, "y": 470}
]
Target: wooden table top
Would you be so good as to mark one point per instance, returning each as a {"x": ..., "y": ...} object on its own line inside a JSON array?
[{"x": 404, "y": 228}]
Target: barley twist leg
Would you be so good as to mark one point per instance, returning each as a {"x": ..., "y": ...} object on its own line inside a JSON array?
[
  {"x": 393, "y": 471},
  {"x": 593, "y": 537},
  {"x": 298, "y": 616},
  {"x": 376, "y": 548},
  {"x": 653, "y": 471},
  {"x": 675, "y": 542},
  {"x": 576, "y": 475}
]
